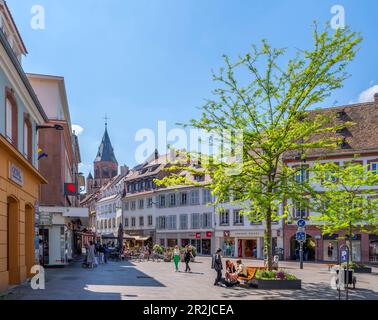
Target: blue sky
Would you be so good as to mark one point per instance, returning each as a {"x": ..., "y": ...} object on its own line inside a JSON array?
[{"x": 141, "y": 61}]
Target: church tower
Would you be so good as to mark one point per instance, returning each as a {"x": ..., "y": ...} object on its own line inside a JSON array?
[{"x": 105, "y": 164}]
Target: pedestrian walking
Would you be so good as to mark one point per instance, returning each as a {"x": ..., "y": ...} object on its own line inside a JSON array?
[
  {"x": 101, "y": 254},
  {"x": 91, "y": 255},
  {"x": 106, "y": 253},
  {"x": 187, "y": 256},
  {"x": 217, "y": 266},
  {"x": 176, "y": 257}
]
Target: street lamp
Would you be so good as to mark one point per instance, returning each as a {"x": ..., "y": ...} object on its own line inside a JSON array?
[{"x": 56, "y": 127}]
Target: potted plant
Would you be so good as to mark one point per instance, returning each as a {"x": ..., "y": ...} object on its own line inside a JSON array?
[
  {"x": 273, "y": 279},
  {"x": 357, "y": 267}
]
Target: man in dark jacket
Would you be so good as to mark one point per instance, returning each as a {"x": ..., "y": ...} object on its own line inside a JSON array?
[{"x": 217, "y": 266}]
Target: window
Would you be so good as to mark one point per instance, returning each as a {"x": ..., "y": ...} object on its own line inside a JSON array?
[
  {"x": 141, "y": 221},
  {"x": 161, "y": 222},
  {"x": 238, "y": 218},
  {"x": 149, "y": 218},
  {"x": 171, "y": 223},
  {"x": 199, "y": 177},
  {"x": 141, "y": 203},
  {"x": 224, "y": 218},
  {"x": 102, "y": 224},
  {"x": 302, "y": 175},
  {"x": 149, "y": 202},
  {"x": 132, "y": 205},
  {"x": 114, "y": 222},
  {"x": 114, "y": 207},
  {"x": 207, "y": 196},
  {"x": 183, "y": 221},
  {"x": 133, "y": 221},
  {"x": 206, "y": 220},
  {"x": 11, "y": 122},
  {"x": 126, "y": 222},
  {"x": 126, "y": 206},
  {"x": 106, "y": 224},
  {"x": 28, "y": 141},
  {"x": 109, "y": 223},
  {"x": 162, "y": 201},
  {"x": 300, "y": 211},
  {"x": 183, "y": 198},
  {"x": 374, "y": 167},
  {"x": 195, "y": 220},
  {"x": 194, "y": 197},
  {"x": 172, "y": 200}
]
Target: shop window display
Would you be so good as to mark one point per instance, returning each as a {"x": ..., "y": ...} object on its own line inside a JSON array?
[{"x": 228, "y": 247}]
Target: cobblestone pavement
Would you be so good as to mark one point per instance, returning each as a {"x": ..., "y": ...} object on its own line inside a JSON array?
[{"x": 157, "y": 280}]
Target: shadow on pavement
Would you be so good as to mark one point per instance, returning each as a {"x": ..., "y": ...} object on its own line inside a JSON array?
[
  {"x": 309, "y": 291},
  {"x": 105, "y": 282}
]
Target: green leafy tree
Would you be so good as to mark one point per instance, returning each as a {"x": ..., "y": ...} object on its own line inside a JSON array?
[
  {"x": 346, "y": 198},
  {"x": 262, "y": 99}
]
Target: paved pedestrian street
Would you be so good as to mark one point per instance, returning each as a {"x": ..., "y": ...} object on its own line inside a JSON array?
[{"x": 157, "y": 280}]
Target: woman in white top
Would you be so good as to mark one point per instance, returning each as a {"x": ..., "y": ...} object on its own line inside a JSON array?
[{"x": 176, "y": 257}]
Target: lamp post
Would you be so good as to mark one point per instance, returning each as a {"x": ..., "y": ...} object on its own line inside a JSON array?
[{"x": 56, "y": 127}]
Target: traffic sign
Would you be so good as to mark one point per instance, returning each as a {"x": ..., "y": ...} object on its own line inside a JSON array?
[
  {"x": 344, "y": 254},
  {"x": 301, "y": 223},
  {"x": 300, "y": 236}
]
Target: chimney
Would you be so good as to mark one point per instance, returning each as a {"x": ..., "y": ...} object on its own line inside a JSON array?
[
  {"x": 376, "y": 97},
  {"x": 124, "y": 170},
  {"x": 156, "y": 154}
]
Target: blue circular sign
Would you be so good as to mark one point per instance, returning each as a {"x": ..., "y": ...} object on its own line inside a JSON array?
[{"x": 301, "y": 223}]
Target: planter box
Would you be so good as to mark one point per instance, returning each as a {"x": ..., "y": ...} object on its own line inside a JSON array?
[
  {"x": 362, "y": 270},
  {"x": 276, "y": 284}
]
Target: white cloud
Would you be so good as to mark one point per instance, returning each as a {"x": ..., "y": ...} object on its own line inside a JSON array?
[
  {"x": 368, "y": 94},
  {"x": 77, "y": 129}
]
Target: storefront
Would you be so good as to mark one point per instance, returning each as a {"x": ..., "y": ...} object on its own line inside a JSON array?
[
  {"x": 56, "y": 237},
  {"x": 326, "y": 247},
  {"x": 241, "y": 243},
  {"x": 202, "y": 241},
  {"x": 373, "y": 248},
  {"x": 19, "y": 184},
  {"x": 330, "y": 247}
]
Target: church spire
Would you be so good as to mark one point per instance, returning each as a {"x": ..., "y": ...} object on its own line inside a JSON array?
[{"x": 105, "y": 150}]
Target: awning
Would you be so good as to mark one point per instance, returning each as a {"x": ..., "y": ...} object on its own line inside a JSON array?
[
  {"x": 139, "y": 238},
  {"x": 115, "y": 236}
]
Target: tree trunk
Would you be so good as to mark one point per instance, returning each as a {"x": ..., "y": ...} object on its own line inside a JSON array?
[
  {"x": 350, "y": 244},
  {"x": 268, "y": 239}
]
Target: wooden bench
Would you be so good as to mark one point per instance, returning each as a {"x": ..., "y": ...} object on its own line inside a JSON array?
[{"x": 330, "y": 265}]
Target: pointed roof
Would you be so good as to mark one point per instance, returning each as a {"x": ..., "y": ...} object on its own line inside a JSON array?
[
  {"x": 105, "y": 150},
  {"x": 90, "y": 177}
]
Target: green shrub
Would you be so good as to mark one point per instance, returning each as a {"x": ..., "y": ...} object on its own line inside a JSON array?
[
  {"x": 352, "y": 265},
  {"x": 274, "y": 275},
  {"x": 158, "y": 249}
]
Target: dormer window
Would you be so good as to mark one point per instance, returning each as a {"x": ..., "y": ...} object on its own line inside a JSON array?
[{"x": 341, "y": 115}]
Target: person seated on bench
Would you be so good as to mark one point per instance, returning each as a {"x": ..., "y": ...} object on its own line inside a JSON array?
[
  {"x": 241, "y": 269},
  {"x": 231, "y": 275}
]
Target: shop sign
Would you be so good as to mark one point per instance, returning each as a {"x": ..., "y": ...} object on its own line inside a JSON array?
[
  {"x": 248, "y": 234},
  {"x": 16, "y": 174},
  {"x": 198, "y": 235},
  {"x": 209, "y": 234},
  {"x": 45, "y": 218}
]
